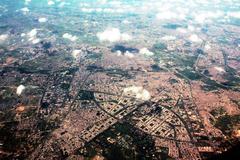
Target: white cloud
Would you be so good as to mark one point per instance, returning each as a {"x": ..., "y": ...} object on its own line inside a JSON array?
[
  {"x": 129, "y": 54},
  {"x": 20, "y": 89},
  {"x": 207, "y": 47},
  {"x": 36, "y": 40},
  {"x": 102, "y": 1},
  {"x": 191, "y": 28},
  {"x": 234, "y": 14},
  {"x": 70, "y": 37},
  {"x": 168, "y": 38},
  {"x": 62, "y": 4},
  {"x": 195, "y": 38},
  {"x": 32, "y": 36},
  {"x": 166, "y": 15},
  {"x": 50, "y": 3},
  {"x": 25, "y": 10},
  {"x": 99, "y": 10},
  {"x": 200, "y": 18},
  {"x": 27, "y": 1},
  {"x": 206, "y": 16},
  {"x": 126, "y": 22},
  {"x": 3, "y": 37},
  {"x": 75, "y": 53},
  {"x": 139, "y": 92},
  {"x": 119, "y": 53},
  {"x": 42, "y": 20},
  {"x": 23, "y": 34},
  {"x": 125, "y": 37},
  {"x": 181, "y": 30},
  {"x": 169, "y": 15},
  {"x": 146, "y": 52},
  {"x": 87, "y": 10},
  {"x": 113, "y": 35},
  {"x": 32, "y": 33}
]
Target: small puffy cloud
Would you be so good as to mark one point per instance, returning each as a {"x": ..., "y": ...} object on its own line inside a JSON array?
[
  {"x": 181, "y": 30},
  {"x": 87, "y": 10},
  {"x": 113, "y": 35},
  {"x": 129, "y": 54},
  {"x": 102, "y": 1},
  {"x": 125, "y": 37},
  {"x": 20, "y": 89},
  {"x": 166, "y": 15},
  {"x": 25, "y": 10},
  {"x": 146, "y": 52},
  {"x": 191, "y": 28},
  {"x": 70, "y": 37},
  {"x": 32, "y": 36},
  {"x": 200, "y": 18},
  {"x": 36, "y": 40},
  {"x": 119, "y": 53},
  {"x": 62, "y": 4},
  {"x": 206, "y": 16},
  {"x": 76, "y": 53},
  {"x": 27, "y": 1},
  {"x": 207, "y": 47},
  {"x": 169, "y": 15},
  {"x": 3, "y": 37},
  {"x": 98, "y": 9},
  {"x": 42, "y": 20},
  {"x": 139, "y": 92},
  {"x": 32, "y": 33},
  {"x": 23, "y": 34},
  {"x": 195, "y": 38},
  {"x": 126, "y": 22},
  {"x": 50, "y": 3},
  {"x": 169, "y": 38},
  {"x": 234, "y": 14}
]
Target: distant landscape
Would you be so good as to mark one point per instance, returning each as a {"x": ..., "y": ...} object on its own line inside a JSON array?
[{"x": 119, "y": 79}]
